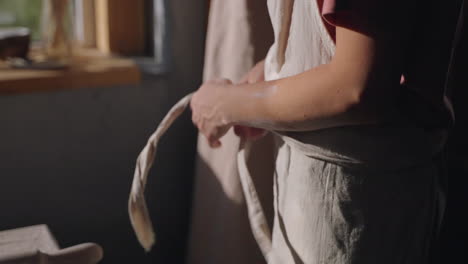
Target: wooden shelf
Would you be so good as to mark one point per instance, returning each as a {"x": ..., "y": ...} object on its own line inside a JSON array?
[{"x": 89, "y": 69}]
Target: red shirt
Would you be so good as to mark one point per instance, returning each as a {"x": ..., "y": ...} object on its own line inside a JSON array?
[{"x": 426, "y": 30}]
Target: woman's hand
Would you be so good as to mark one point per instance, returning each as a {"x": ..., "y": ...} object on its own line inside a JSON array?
[
  {"x": 212, "y": 110},
  {"x": 256, "y": 74}
]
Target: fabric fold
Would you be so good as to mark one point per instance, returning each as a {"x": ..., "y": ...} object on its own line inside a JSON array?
[
  {"x": 137, "y": 209},
  {"x": 258, "y": 221}
]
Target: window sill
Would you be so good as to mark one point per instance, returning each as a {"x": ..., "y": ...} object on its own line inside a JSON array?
[{"x": 89, "y": 69}]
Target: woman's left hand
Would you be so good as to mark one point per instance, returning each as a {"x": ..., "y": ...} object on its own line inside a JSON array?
[{"x": 212, "y": 110}]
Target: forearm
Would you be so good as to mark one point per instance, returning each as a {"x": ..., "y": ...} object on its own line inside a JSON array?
[
  {"x": 355, "y": 87},
  {"x": 294, "y": 103}
]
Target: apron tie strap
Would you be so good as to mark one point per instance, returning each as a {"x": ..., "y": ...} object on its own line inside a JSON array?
[
  {"x": 137, "y": 209},
  {"x": 258, "y": 221}
]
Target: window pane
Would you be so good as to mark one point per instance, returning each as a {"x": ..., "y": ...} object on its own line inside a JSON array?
[{"x": 25, "y": 13}]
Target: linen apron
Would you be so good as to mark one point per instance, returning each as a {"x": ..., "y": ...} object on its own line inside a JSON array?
[
  {"x": 239, "y": 34},
  {"x": 351, "y": 194}
]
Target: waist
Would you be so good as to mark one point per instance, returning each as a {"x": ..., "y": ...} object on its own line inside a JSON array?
[{"x": 382, "y": 146}]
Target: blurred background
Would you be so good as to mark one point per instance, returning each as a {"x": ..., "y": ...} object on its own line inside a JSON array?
[
  {"x": 25, "y": 13},
  {"x": 72, "y": 123}
]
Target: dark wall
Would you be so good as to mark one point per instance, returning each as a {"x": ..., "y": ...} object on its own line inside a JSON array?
[{"x": 67, "y": 157}]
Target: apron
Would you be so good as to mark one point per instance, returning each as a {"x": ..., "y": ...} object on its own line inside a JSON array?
[
  {"x": 239, "y": 34},
  {"x": 352, "y": 194}
]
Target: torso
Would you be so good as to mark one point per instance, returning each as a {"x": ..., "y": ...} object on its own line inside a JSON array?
[
  {"x": 300, "y": 44},
  {"x": 308, "y": 43}
]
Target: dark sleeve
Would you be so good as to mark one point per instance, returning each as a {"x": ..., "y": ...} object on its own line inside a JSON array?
[{"x": 367, "y": 16}]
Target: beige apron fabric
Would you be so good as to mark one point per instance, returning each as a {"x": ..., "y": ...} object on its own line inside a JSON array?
[
  {"x": 239, "y": 34},
  {"x": 308, "y": 42},
  {"x": 137, "y": 209},
  {"x": 220, "y": 231},
  {"x": 300, "y": 45},
  {"x": 345, "y": 195},
  {"x": 354, "y": 194}
]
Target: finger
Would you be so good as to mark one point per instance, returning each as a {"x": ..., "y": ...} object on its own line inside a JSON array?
[
  {"x": 221, "y": 81},
  {"x": 200, "y": 128},
  {"x": 237, "y": 131},
  {"x": 215, "y": 143},
  {"x": 194, "y": 118},
  {"x": 251, "y": 133},
  {"x": 240, "y": 131},
  {"x": 197, "y": 121},
  {"x": 214, "y": 136},
  {"x": 244, "y": 79},
  {"x": 257, "y": 78},
  {"x": 258, "y": 135}
]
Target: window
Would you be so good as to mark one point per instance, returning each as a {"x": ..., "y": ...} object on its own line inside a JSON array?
[
  {"x": 24, "y": 13},
  {"x": 134, "y": 28},
  {"x": 100, "y": 29},
  {"x": 90, "y": 65}
]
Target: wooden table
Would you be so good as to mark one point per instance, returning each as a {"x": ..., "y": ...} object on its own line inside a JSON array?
[{"x": 36, "y": 244}]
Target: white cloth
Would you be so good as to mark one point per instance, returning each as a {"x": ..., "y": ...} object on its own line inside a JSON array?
[
  {"x": 343, "y": 194},
  {"x": 306, "y": 44},
  {"x": 137, "y": 209},
  {"x": 239, "y": 34}
]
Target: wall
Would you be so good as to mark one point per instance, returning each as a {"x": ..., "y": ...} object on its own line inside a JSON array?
[{"x": 67, "y": 157}]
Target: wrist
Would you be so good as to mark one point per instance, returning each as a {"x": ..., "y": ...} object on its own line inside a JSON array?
[
  {"x": 236, "y": 102},
  {"x": 248, "y": 101}
]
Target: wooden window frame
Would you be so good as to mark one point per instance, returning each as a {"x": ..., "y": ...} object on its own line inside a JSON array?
[
  {"x": 103, "y": 37},
  {"x": 148, "y": 46},
  {"x": 120, "y": 26},
  {"x": 85, "y": 23}
]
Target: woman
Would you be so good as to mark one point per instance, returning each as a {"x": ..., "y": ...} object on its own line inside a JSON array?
[{"x": 355, "y": 178}]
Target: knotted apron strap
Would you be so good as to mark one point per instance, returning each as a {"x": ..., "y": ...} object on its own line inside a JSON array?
[
  {"x": 258, "y": 222},
  {"x": 137, "y": 209}
]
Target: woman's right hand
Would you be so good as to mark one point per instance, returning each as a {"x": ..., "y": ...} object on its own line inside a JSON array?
[{"x": 256, "y": 74}]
